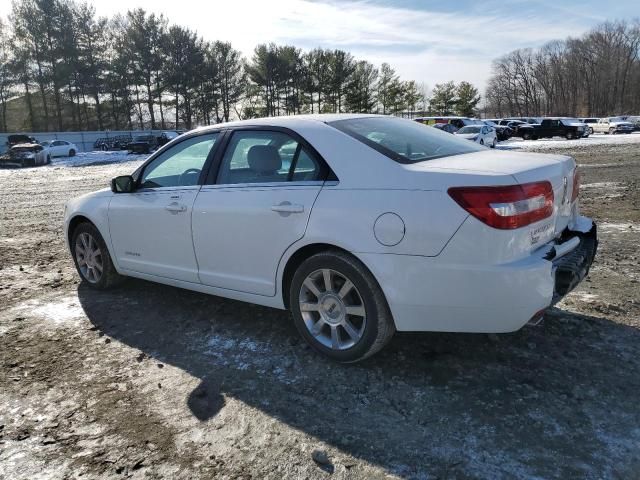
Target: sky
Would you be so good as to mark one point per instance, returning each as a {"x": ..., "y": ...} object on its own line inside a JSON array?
[{"x": 424, "y": 40}]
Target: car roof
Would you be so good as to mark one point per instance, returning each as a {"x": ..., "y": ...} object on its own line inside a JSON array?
[{"x": 290, "y": 121}]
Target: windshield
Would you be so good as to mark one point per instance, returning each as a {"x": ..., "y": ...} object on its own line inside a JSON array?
[
  {"x": 403, "y": 140},
  {"x": 141, "y": 139},
  {"x": 469, "y": 129}
]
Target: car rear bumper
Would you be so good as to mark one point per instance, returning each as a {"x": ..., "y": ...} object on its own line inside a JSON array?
[{"x": 428, "y": 294}]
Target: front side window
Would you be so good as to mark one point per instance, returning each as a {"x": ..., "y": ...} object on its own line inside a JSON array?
[
  {"x": 403, "y": 140},
  {"x": 179, "y": 166},
  {"x": 265, "y": 157}
]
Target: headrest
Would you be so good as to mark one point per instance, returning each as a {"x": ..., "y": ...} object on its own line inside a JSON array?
[{"x": 264, "y": 159}]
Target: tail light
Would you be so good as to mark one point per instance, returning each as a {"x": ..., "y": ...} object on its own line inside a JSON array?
[
  {"x": 576, "y": 185},
  {"x": 506, "y": 207}
]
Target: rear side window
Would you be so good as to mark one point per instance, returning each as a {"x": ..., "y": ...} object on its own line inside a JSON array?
[
  {"x": 267, "y": 157},
  {"x": 403, "y": 140}
]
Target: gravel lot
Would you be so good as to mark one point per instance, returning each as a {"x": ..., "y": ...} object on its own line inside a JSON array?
[{"x": 149, "y": 381}]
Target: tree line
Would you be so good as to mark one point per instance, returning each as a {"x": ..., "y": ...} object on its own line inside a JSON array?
[
  {"x": 596, "y": 75},
  {"x": 72, "y": 70}
]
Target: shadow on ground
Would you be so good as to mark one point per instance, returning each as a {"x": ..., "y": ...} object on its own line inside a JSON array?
[{"x": 560, "y": 400}]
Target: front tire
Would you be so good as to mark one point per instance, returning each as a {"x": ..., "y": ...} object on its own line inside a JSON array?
[
  {"x": 339, "y": 308},
  {"x": 494, "y": 143},
  {"x": 72, "y": 153},
  {"x": 92, "y": 259},
  {"x": 526, "y": 136}
]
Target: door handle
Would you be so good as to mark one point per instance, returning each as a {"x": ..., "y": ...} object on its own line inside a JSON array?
[
  {"x": 174, "y": 207},
  {"x": 287, "y": 208}
]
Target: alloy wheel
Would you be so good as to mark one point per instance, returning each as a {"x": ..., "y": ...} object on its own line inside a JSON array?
[
  {"x": 332, "y": 309},
  {"x": 89, "y": 257}
]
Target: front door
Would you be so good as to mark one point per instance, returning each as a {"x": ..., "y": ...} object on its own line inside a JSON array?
[
  {"x": 151, "y": 227},
  {"x": 258, "y": 206}
]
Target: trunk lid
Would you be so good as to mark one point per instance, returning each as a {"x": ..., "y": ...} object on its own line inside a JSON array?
[{"x": 522, "y": 167}]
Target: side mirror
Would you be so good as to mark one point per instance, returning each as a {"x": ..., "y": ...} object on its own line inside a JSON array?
[{"x": 122, "y": 184}]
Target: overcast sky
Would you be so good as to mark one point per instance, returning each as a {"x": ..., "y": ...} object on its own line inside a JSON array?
[{"x": 427, "y": 41}]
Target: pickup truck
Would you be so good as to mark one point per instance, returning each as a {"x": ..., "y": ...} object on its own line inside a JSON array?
[
  {"x": 570, "y": 128},
  {"x": 611, "y": 125}
]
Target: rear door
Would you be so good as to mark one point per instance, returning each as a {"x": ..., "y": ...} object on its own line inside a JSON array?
[
  {"x": 151, "y": 227},
  {"x": 254, "y": 207}
]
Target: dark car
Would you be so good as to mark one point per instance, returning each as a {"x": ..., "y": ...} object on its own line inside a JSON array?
[
  {"x": 519, "y": 128},
  {"x": 13, "y": 140},
  {"x": 503, "y": 132},
  {"x": 118, "y": 142},
  {"x": 166, "y": 137},
  {"x": 143, "y": 144},
  {"x": 446, "y": 127},
  {"x": 570, "y": 128}
]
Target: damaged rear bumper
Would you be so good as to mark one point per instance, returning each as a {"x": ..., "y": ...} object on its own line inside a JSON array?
[{"x": 572, "y": 257}]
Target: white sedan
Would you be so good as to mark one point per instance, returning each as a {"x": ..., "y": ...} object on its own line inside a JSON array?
[
  {"x": 482, "y": 134},
  {"x": 60, "y": 148},
  {"x": 361, "y": 225}
]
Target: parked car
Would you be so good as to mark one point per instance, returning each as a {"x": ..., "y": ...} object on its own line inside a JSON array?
[
  {"x": 428, "y": 232},
  {"x": 117, "y": 142},
  {"x": 570, "y": 128},
  {"x": 26, "y": 155},
  {"x": 635, "y": 120},
  {"x": 589, "y": 121},
  {"x": 612, "y": 125},
  {"x": 482, "y": 134},
  {"x": 17, "y": 139},
  {"x": 446, "y": 127},
  {"x": 143, "y": 144},
  {"x": 60, "y": 148},
  {"x": 166, "y": 137},
  {"x": 504, "y": 132},
  {"x": 457, "y": 122},
  {"x": 519, "y": 128}
]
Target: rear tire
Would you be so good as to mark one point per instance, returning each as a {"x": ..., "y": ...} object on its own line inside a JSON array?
[
  {"x": 346, "y": 316},
  {"x": 526, "y": 136},
  {"x": 92, "y": 259},
  {"x": 481, "y": 142},
  {"x": 494, "y": 143},
  {"x": 612, "y": 131}
]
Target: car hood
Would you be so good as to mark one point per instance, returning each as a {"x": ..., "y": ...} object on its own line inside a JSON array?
[
  {"x": 621, "y": 124},
  {"x": 468, "y": 136}
]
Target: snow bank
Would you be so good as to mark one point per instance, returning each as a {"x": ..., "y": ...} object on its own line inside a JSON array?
[
  {"x": 560, "y": 143},
  {"x": 94, "y": 158}
]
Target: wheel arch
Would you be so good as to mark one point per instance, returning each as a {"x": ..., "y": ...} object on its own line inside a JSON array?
[
  {"x": 298, "y": 256},
  {"x": 73, "y": 224}
]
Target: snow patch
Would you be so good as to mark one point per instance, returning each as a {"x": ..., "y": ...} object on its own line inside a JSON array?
[
  {"x": 64, "y": 312},
  {"x": 606, "y": 227},
  {"x": 98, "y": 157},
  {"x": 245, "y": 354},
  {"x": 606, "y": 185},
  {"x": 561, "y": 143}
]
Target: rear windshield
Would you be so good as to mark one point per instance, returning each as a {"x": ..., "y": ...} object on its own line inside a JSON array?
[
  {"x": 470, "y": 129},
  {"x": 403, "y": 140}
]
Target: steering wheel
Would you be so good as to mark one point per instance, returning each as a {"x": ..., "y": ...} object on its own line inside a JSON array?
[{"x": 187, "y": 172}]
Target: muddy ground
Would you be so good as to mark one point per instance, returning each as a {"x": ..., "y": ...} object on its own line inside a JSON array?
[{"x": 149, "y": 381}]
